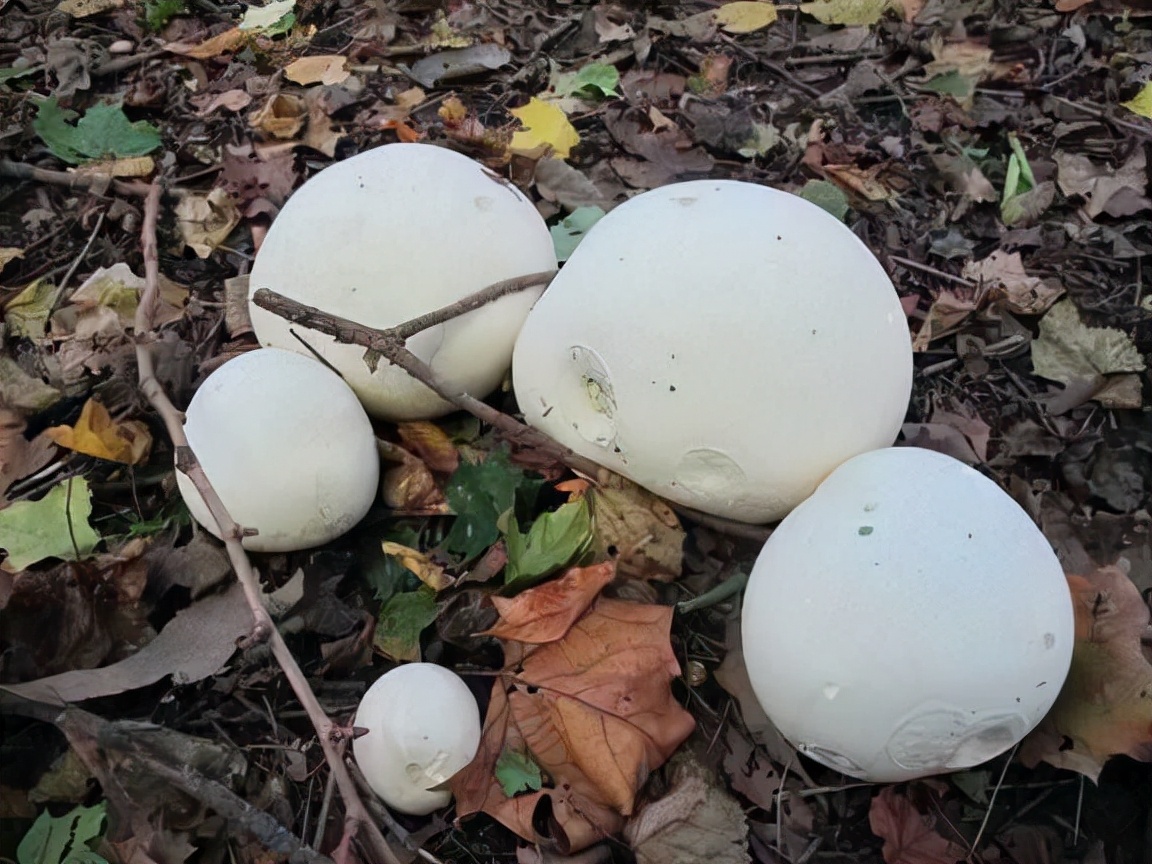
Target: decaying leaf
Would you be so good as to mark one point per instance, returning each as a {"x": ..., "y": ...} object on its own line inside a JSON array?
[
  {"x": 97, "y": 434},
  {"x": 910, "y": 837},
  {"x": 1067, "y": 350},
  {"x": 639, "y": 528},
  {"x": 1116, "y": 191},
  {"x": 1004, "y": 273},
  {"x": 595, "y": 712},
  {"x": 206, "y": 222},
  {"x": 1105, "y": 706}
]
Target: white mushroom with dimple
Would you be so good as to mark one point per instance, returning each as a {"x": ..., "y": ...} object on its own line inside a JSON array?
[
  {"x": 908, "y": 619},
  {"x": 723, "y": 344},
  {"x": 287, "y": 447},
  {"x": 423, "y": 727},
  {"x": 394, "y": 233}
]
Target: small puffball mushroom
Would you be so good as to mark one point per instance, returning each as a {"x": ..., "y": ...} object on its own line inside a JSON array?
[
  {"x": 394, "y": 233},
  {"x": 908, "y": 619},
  {"x": 287, "y": 447},
  {"x": 423, "y": 726},
  {"x": 723, "y": 344}
]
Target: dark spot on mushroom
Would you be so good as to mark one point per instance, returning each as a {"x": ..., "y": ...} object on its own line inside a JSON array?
[
  {"x": 864, "y": 530},
  {"x": 671, "y": 388}
]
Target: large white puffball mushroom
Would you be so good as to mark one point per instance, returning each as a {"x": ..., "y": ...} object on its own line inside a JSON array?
[
  {"x": 287, "y": 447},
  {"x": 394, "y": 233},
  {"x": 723, "y": 344},
  {"x": 423, "y": 726},
  {"x": 908, "y": 619}
]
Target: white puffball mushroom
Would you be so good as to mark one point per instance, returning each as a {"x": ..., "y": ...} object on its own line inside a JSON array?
[
  {"x": 908, "y": 619},
  {"x": 423, "y": 726},
  {"x": 723, "y": 344},
  {"x": 287, "y": 447},
  {"x": 394, "y": 233}
]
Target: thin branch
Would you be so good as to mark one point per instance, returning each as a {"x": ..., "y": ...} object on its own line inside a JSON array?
[
  {"x": 93, "y": 182},
  {"x": 357, "y": 819},
  {"x": 473, "y": 301},
  {"x": 390, "y": 345}
]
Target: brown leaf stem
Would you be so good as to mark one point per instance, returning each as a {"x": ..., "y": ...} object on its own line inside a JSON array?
[{"x": 358, "y": 823}]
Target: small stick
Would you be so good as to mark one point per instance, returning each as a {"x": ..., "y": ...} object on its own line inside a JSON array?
[
  {"x": 21, "y": 171},
  {"x": 357, "y": 821}
]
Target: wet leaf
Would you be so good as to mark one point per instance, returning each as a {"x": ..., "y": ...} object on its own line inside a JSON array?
[
  {"x": 97, "y": 434},
  {"x": 596, "y": 713},
  {"x": 1067, "y": 350},
  {"x": 56, "y": 526},
  {"x": 479, "y": 493},
  {"x": 546, "y": 130},
  {"x": 745, "y": 16},
  {"x": 103, "y": 131},
  {"x": 554, "y": 541},
  {"x": 1105, "y": 706},
  {"x": 401, "y": 622},
  {"x": 909, "y": 836},
  {"x": 566, "y": 236},
  {"x": 65, "y": 839}
]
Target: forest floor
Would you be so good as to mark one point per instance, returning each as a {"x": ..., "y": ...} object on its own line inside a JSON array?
[{"x": 992, "y": 155}]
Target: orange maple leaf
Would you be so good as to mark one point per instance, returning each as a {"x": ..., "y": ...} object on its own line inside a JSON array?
[
  {"x": 593, "y": 709},
  {"x": 1105, "y": 706}
]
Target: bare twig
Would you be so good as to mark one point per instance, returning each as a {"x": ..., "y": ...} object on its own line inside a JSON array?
[
  {"x": 20, "y": 171},
  {"x": 390, "y": 345},
  {"x": 473, "y": 301},
  {"x": 358, "y": 823}
]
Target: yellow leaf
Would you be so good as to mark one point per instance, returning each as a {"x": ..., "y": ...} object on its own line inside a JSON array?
[
  {"x": 1141, "y": 103},
  {"x": 854, "y": 13},
  {"x": 430, "y": 573},
  {"x": 319, "y": 69},
  {"x": 9, "y": 253},
  {"x": 545, "y": 128},
  {"x": 97, "y": 434},
  {"x": 745, "y": 16}
]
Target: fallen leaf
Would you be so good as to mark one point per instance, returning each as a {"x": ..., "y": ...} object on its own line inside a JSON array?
[
  {"x": 401, "y": 621},
  {"x": 459, "y": 63},
  {"x": 1067, "y": 350},
  {"x": 638, "y": 528},
  {"x": 88, "y": 8},
  {"x": 1105, "y": 706},
  {"x": 318, "y": 69},
  {"x": 1141, "y": 103},
  {"x": 696, "y": 820},
  {"x": 1004, "y": 272},
  {"x": 431, "y": 444},
  {"x": 103, "y": 131},
  {"x": 206, "y": 222},
  {"x": 546, "y": 130},
  {"x": 854, "y": 13},
  {"x": 416, "y": 562},
  {"x": 282, "y": 116},
  {"x": 547, "y": 612},
  {"x": 745, "y": 16},
  {"x": 948, "y": 311},
  {"x": 222, "y": 43},
  {"x": 266, "y": 16},
  {"x": 97, "y": 434},
  {"x": 8, "y": 254},
  {"x": 592, "y": 81},
  {"x": 1115, "y": 191},
  {"x": 56, "y": 526},
  {"x": 230, "y": 100},
  {"x": 555, "y": 540},
  {"x": 594, "y": 710},
  {"x": 19, "y": 457},
  {"x": 909, "y": 836},
  {"x": 569, "y": 231}
]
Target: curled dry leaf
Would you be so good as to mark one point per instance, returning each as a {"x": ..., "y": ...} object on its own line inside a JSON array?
[
  {"x": 548, "y": 612},
  {"x": 593, "y": 710},
  {"x": 1105, "y": 706},
  {"x": 97, "y": 434}
]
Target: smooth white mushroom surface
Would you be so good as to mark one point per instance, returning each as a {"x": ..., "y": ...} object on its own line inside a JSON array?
[
  {"x": 394, "y": 233},
  {"x": 908, "y": 619},
  {"x": 423, "y": 726},
  {"x": 723, "y": 344},
  {"x": 287, "y": 447}
]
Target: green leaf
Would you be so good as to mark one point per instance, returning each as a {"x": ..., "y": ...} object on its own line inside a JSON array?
[
  {"x": 56, "y": 526},
  {"x": 594, "y": 81},
  {"x": 1141, "y": 103},
  {"x": 270, "y": 19},
  {"x": 959, "y": 87},
  {"x": 401, "y": 622},
  {"x": 64, "y": 839},
  {"x": 12, "y": 73},
  {"x": 479, "y": 493},
  {"x": 27, "y": 313},
  {"x": 517, "y": 772},
  {"x": 1018, "y": 181},
  {"x": 567, "y": 235},
  {"x": 554, "y": 541},
  {"x": 826, "y": 195},
  {"x": 385, "y": 574},
  {"x": 157, "y": 13},
  {"x": 104, "y": 131}
]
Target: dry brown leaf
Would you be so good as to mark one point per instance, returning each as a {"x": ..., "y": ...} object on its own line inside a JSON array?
[
  {"x": 318, "y": 69},
  {"x": 206, "y": 222},
  {"x": 97, "y": 434},
  {"x": 88, "y": 8},
  {"x": 1004, "y": 273},
  {"x": 546, "y": 614},
  {"x": 281, "y": 116},
  {"x": 909, "y": 836},
  {"x": 19, "y": 457},
  {"x": 596, "y": 713},
  {"x": 1105, "y": 706},
  {"x": 221, "y": 43},
  {"x": 639, "y": 528},
  {"x": 868, "y": 183},
  {"x": 948, "y": 311},
  {"x": 431, "y": 444},
  {"x": 136, "y": 166}
]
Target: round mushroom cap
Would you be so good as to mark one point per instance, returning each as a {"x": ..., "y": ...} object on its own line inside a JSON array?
[
  {"x": 389, "y": 235},
  {"x": 423, "y": 726},
  {"x": 723, "y": 344},
  {"x": 908, "y": 619},
  {"x": 287, "y": 447}
]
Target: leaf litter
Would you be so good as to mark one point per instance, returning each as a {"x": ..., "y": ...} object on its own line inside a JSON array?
[{"x": 995, "y": 160}]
